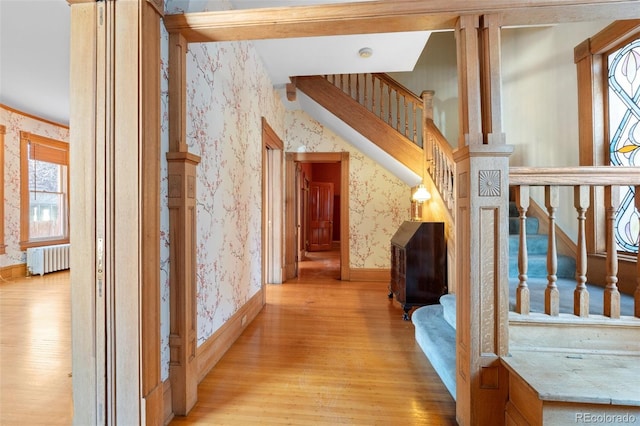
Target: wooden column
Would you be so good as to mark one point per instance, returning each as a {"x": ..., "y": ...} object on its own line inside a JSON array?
[
  {"x": 481, "y": 238},
  {"x": 151, "y": 12},
  {"x": 183, "y": 371},
  {"x": 491, "y": 84},
  {"x": 115, "y": 148}
]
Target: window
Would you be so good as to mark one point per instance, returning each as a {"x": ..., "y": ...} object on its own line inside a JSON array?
[
  {"x": 44, "y": 191},
  {"x": 608, "y": 66},
  {"x": 624, "y": 134}
]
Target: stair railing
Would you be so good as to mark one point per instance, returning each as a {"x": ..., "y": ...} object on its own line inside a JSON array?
[
  {"x": 583, "y": 180},
  {"x": 439, "y": 156},
  {"x": 386, "y": 98}
]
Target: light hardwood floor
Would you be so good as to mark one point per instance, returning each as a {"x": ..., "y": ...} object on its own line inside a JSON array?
[
  {"x": 322, "y": 351},
  {"x": 35, "y": 351}
]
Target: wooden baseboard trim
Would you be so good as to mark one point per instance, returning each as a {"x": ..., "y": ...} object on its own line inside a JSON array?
[
  {"x": 370, "y": 274},
  {"x": 166, "y": 399},
  {"x": 13, "y": 271},
  {"x": 209, "y": 353}
]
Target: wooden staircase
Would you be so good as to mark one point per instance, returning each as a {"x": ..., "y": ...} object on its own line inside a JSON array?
[
  {"x": 563, "y": 368},
  {"x": 362, "y": 119}
]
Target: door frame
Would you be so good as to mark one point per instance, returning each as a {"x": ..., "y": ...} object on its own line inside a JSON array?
[
  {"x": 291, "y": 248},
  {"x": 272, "y": 203}
]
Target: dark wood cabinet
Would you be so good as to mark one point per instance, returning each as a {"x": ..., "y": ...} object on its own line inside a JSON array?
[{"x": 418, "y": 264}]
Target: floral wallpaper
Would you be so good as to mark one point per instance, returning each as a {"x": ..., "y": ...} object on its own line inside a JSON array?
[
  {"x": 228, "y": 93},
  {"x": 378, "y": 201},
  {"x": 14, "y": 123},
  {"x": 164, "y": 205}
]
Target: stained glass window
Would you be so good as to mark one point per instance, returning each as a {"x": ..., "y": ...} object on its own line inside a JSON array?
[{"x": 624, "y": 142}]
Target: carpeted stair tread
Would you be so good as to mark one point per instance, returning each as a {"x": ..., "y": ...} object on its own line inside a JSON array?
[
  {"x": 536, "y": 244},
  {"x": 437, "y": 339},
  {"x": 537, "y": 266},
  {"x": 532, "y": 225}
]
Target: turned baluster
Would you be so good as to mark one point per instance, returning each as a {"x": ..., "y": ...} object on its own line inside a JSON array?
[
  {"x": 406, "y": 119},
  {"x": 636, "y": 309},
  {"x": 581, "y": 294},
  {"x": 358, "y": 94},
  {"x": 611, "y": 293},
  {"x": 397, "y": 111},
  {"x": 415, "y": 122},
  {"x": 551, "y": 293},
  {"x": 523, "y": 304},
  {"x": 366, "y": 93},
  {"x": 381, "y": 115},
  {"x": 373, "y": 94},
  {"x": 389, "y": 106}
]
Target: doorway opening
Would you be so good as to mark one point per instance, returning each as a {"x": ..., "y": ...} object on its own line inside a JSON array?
[{"x": 318, "y": 217}]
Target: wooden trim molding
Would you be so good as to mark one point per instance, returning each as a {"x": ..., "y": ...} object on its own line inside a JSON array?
[
  {"x": 13, "y": 271},
  {"x": 33, "y": 117},
  {"x": 370, "y": 274},
  {"x": 383, "y": 16},
  {"x": 211, "y": 351},
  {"x": 3, "y": 131},
  {"x": 25, "y": 139},
  {"x": 322, "y": 157}
]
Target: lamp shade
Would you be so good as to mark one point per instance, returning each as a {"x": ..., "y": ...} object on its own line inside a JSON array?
[{"x": 421, "y": 195}]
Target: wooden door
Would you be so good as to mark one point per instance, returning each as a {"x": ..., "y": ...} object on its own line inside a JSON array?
[{"x": 320, "y": 216}]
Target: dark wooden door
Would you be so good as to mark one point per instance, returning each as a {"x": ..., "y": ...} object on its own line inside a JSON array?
[{"x": 320, "y": 216}]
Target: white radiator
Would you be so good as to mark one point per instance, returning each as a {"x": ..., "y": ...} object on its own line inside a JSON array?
[{"x": 41, "y": 260}]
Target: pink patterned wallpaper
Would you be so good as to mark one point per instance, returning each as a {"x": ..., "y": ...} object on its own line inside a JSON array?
[
  {"x": 228, "y": 92},
  {"x": 16, "y": 122}
]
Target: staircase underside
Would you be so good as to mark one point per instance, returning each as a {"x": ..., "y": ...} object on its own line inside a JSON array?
[{"x": 363, "y": 121}]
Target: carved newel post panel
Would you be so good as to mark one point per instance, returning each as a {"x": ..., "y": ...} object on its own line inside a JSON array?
[
  {"x": 482, "y": 174},
  {"x": 182, "y": 236}
]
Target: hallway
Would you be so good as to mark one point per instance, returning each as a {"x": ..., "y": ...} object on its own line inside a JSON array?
[{"x": 324, "y": 352}]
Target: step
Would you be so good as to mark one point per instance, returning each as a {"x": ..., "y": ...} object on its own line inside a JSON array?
[
  {"x": 537, "y": 266},
  {"x": 532, "y": 225},
  {"x": 536, "y": 244},
  {"x": 564, "y": 388},
  {"x": 448, "y": 302},
  {"x": 437, "y": 339}
]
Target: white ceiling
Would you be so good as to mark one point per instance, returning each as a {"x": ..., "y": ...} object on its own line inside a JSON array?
[{"x": 34, "y": 57}]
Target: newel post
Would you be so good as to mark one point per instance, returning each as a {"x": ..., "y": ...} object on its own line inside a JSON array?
[
  {"x": 182, "y": 167},
  {"x": 482, "y": 168}
]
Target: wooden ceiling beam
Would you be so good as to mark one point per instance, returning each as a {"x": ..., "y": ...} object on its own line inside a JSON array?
[{"x": 385, "y": 16}]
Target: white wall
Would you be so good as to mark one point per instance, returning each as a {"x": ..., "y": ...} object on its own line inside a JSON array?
[
  {"x": 436, "y": 69},
  {"x": 540, "y": 101}
]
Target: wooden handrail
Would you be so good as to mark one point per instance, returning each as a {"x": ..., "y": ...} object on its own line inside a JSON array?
[
  {"x": 390, "y": 101},
  {"x": 570, "y": 176},
  {"x": 399, "y": 87}
]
